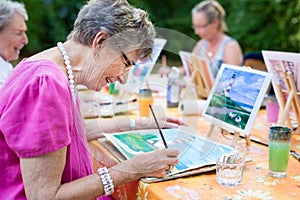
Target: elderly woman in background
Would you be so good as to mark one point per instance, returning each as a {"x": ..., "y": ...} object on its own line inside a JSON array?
[
  {"x": 44, "y": 151},
  {"x": 12, "y": 35}
]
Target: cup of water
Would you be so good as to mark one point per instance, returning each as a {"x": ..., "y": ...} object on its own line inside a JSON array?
[{"x": 230, "y": 168}]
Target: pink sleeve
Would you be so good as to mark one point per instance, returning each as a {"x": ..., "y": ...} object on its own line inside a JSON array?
[{"x": 40, "y": 117}]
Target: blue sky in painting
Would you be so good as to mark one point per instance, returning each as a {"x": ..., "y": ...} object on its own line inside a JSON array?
[{"x": 245, "y": 88}]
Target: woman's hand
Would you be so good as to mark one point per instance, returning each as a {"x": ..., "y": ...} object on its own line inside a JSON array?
[
  {"x": 152, "y": 164},
  {"x": 168, "y": 122}
]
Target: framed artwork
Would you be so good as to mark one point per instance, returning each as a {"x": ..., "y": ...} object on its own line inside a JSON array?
[
  {"x": 285, "y": 67},
  {"x": 186, "y": 59},
  {"x": 198, "y": 72},
  {"x": 236, "y": 97}
]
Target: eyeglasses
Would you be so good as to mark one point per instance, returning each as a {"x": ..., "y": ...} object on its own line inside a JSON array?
[
  {"x": 129, "y": 64},
  {"x": 201, "y": 26}
]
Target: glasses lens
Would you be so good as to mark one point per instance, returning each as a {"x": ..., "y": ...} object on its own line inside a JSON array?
[{"x": 128, "y": 64}]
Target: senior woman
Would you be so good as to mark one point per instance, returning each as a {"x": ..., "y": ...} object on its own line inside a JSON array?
[
  {"x": 44, "y": 152},
  {"x": 12, "y": 35}
]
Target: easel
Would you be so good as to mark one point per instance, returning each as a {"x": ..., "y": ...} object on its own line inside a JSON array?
[
  {"x": 236, "y": 136},
  {"x": 197, "y": 79},
  {"x": 292, "y": 100}
]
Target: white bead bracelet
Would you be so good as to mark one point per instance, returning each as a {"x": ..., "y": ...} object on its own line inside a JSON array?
[{"x": 106, "y": 180}]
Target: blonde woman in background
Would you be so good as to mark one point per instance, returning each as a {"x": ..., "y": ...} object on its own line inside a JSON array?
[
  {"x": 208, "y": 19},
  {"x": 209, "y": 24}
]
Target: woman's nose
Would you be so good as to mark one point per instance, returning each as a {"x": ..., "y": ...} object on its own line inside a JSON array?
[{"x": 24, "y": 39}]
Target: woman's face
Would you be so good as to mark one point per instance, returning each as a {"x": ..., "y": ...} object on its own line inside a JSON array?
[
  {"x": 202, "y": 27},
  {"x": 13, "y": 38},
  {"x": 107, "y": 67}
]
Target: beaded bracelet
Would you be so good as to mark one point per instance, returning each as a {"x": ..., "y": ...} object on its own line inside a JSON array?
[{"x": 106, "y": 180}]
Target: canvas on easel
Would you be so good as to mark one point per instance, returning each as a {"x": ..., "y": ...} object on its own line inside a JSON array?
[
  {"x": 286, "y": 83},
  {"x": 198, "y": 73},
  {"x": 235, "y": 99}
]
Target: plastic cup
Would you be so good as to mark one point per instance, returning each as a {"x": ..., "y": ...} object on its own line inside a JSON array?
[
  {"x": 272, "y": 109},
  {"x": 145, "y": 99},
  {"x": 279, "y": 149},
  {"x": 230, "y": 168}
]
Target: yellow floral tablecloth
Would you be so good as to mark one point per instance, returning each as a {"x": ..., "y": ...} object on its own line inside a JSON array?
[{"x": 256, "y": 183}]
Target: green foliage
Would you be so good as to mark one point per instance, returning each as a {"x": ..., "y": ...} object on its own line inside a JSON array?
[
  {"x": 257, "y": 25},
  {"x": 49, "y": 21},
  {"x": 266, "y": 24}
]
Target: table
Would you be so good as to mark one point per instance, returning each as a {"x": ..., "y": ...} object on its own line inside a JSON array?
[{"x": 256, "y": 183}]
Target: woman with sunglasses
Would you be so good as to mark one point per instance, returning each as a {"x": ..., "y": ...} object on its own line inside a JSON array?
[{"x": 44, "y": 151}]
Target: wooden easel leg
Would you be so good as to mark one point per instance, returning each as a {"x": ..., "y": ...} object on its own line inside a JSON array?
[
  {"x": 235, "y": 139},
  {"x": 248, "y": 141},
  {"x": 210, "y": 130}
]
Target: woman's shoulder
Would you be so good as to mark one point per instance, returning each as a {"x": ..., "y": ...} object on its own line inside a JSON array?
[
  {"x": 230, "y": 40},
  {"x": 200, "y": 44}
]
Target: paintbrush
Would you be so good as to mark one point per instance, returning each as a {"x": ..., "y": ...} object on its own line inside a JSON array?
[{"x": 160, "y": 132}]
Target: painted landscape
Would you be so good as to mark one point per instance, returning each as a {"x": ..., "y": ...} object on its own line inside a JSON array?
[{"x": 235, "y": 96}]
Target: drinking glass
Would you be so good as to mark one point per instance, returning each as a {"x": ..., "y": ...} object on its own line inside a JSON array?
[
  {"x": 145, "y": 99},
  {"x": 230, "y": 168},
  {"x": 279, "y": 149},
  {"x": 272, "y": 109}
]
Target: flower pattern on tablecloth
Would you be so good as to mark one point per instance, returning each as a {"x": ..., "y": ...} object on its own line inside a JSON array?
[
  {"x": 268, "y": 180},
  {"x": 262, "y": 166},
  {"x": 142, "y": 194},
  {"x": 296, "y": 177},
  {"x": 250, "y": 194},
  {"x": 183, "y": 193}
]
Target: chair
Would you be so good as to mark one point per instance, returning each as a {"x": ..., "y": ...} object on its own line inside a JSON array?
[{"x": 254, "y": 60}]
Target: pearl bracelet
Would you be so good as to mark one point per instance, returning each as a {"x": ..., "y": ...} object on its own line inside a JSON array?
[{"x": 106, "y": 180}]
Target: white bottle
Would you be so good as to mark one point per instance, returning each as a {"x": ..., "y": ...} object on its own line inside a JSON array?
[{"x": 174, "y": 88}]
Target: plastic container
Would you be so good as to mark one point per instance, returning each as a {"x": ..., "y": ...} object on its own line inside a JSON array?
[{"x": 174, "y": 88}]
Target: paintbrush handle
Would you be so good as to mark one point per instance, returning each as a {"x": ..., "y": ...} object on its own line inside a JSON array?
[{"x": 160, "y": 132}]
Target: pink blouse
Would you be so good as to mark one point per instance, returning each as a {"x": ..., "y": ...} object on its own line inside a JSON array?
[{"x": 37, "y": 117}]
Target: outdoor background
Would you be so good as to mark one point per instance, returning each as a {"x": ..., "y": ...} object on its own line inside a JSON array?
[{"x": 256, "y": 24}]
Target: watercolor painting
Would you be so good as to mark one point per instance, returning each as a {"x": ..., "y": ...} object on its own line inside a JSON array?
[
  {"x": 236, "y": 97},
  {"x": 195, "y": 151}
]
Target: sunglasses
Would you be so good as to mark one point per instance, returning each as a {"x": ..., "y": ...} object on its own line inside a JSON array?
[{"x": 129, "y": 64}]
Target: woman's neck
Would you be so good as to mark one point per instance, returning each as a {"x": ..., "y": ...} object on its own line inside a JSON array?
[{"x": 214, "y": 45}]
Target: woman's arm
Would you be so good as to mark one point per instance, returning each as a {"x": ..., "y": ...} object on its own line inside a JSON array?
[
  {"x": 42, "y": 174},
  {"x": 42, "y": 179},
  {"x": 233, "y": 53},
  {"x": 96, "y": 127}
]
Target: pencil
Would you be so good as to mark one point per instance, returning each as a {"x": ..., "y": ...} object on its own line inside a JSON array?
[{"x": 160, "y": 132}]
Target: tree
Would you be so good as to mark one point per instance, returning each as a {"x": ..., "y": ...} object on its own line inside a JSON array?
[{"x": 257, "y": 25}]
